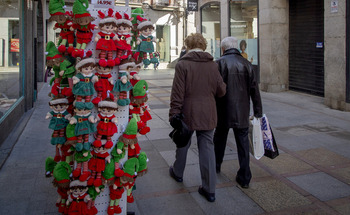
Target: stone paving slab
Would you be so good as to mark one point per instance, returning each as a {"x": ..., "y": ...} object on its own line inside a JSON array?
[
  {"x": 182, "y": 204},
  {"x": 274, "y": 195},
  {"x": 239, "y": 203},
  {"x": 285, "y": 163},
  {"x": 323, "y": 157},
  {"x": 322, "y": 186}
]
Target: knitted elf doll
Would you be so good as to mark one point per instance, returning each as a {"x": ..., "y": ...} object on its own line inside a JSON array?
[
  {"x": 84, "y": 125},
  {"x": 116, "y": 188},
  {"x": 61, "y": 180},
  {"x": 107, "y": 125},
  {"x": 105, "y": 38},
  {"x": 138, "y": 108},
  {"x": 97, "y": 163},
  {"x": 134, "y": 73},
  {"x": 82, "y": 23},
  {"x": 93, "y": 193},
  {"x": 84, "y": 81},
  {"x": 78, "y": 198},
  {"x": 129, "y": 139},
  {"x": 145, "y": 41},
  {"x": 130, "y": 168},
  {"x": 104, "y": 85},
  {"x": 63, "y": 22},
  {"x": 59, "y": 119},
  {"x": 122, "y": 85},
  {"x": 123, "y": 44}
]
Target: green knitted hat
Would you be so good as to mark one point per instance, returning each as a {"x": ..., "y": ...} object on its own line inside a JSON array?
[
  {"x": 108, "y": 173},
  {"x": 79, "y": 105},
  {"x": 50, "y": 164},
  {"x": 56, "y": 7},
  {"x": 142, "y": 162},
  {"x": 61, "y": 172},
  {"x": 80, "y": 8},
  {"x": 131, "y": 167},
  {"x": 140, "y": 89},
  {"x": 51, "y": 51},
  {"x": 131, "y": 129}
]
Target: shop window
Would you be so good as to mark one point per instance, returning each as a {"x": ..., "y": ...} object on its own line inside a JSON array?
[
  {"x": 10, "y": 78},
  {"x": 210, "y": 25},
  {"x": 244, "y": 26},
  {"x": 163, "y": 44}
]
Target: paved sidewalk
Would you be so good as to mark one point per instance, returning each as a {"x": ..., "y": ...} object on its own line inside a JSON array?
[{"x": 310, "y": 176}]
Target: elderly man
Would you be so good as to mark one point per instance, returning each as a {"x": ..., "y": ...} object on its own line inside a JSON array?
[{"x": 233, "y": 108}]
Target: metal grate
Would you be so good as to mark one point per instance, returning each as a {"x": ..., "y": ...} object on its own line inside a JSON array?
[{"x": 306, "y": 51}]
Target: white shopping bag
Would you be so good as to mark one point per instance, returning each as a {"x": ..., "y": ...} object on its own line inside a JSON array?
[{"x": 256, "y": 138}]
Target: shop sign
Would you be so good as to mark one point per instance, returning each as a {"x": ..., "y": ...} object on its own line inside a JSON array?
[
  {"x": 192, "y": 5},
  {"x": 104, "y": 3},
  {"x": 14, "y": 45},
  {"x": 334, "y": 6}
]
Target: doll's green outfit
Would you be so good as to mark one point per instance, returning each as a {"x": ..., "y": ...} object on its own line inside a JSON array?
[
  {"x": 68, "y": 68},
  {"x": 84, "y": 126},
  {"x": 84, "y": 87}
]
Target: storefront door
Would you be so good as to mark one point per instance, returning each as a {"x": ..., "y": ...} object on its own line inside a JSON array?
[
  {"x": 306, "y": 40},
  {"x": 210, "y": 26}
]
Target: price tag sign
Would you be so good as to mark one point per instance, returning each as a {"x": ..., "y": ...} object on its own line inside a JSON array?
[{"x": 105, "y": 3}]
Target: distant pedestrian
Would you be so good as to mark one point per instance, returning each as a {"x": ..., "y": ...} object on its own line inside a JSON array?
[
  {"x": 183, "y": 51},
  {"x": 196, "y": 83},
  {"x": 233, "y": 109}
]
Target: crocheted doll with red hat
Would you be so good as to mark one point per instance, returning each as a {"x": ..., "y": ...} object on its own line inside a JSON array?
[
  {"x": 130, "y": 168},
  {"x": 129, "y": 139},
  {"x": 97, "y": 163},
  {"x": 61, "y": 180},
  {"x": 123, "y": 85},
  {"x": 134, "y": 73},
  {"x": 105, "y": 38},
  {"x": 84, "y": 81},
  {"x": 78, "y": 198},
  {"x": 138, "y": 107},
  {"x": 116, "y": 188},
  {"x": 107, "y": 125},
  {"x": 59, "y": 119},
  {"x": 82, "y": 23},
  {"x": 104, "y": 85},
  {"x": 63, "y": 22},
  {"x": 145, "y": 41},
  {"x": 123, "y": 44}
]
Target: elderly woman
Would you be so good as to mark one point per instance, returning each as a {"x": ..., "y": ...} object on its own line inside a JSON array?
[{"x": 196, "y": 83}]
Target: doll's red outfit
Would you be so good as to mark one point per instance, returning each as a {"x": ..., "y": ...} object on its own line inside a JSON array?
[
  {"x": 78, "y": 206},
  {"x": 122, "y": 43},
  {"x": 106, "y": 126},
  {"x": 106, "y": 42},
  {"x": 135, "y": 151},
  {"x": 97, "y": 162},
  {"x": 102, "y": 86},
  {"x": 84, "y": 33},
  {"x": 133, "y": 81},
  {"x": 66, "y": 33},
  {"x": 63, "y": 194}
]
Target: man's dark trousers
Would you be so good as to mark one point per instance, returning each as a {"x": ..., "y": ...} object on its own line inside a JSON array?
[{"x": 241, "y": 136}]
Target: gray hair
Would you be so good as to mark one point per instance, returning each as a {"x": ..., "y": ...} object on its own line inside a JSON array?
[{"x": 229, "y": 43}]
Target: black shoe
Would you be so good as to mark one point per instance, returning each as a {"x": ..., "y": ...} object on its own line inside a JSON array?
[
  {"x": 172, "y": 174},
  {"x": 209, "y": 196},
  {"x": 245, "y": 186}
]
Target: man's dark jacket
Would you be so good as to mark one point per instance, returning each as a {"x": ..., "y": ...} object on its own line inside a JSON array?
[{"x": 233, "y": 109}]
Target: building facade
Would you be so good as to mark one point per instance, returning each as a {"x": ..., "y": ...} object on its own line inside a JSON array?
[
  {"x": 21, "y": 59},
  {"x": 295, "y": 45}
]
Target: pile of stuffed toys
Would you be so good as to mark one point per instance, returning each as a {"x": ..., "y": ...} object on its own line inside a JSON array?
[{"x": 89, "y": 155}]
